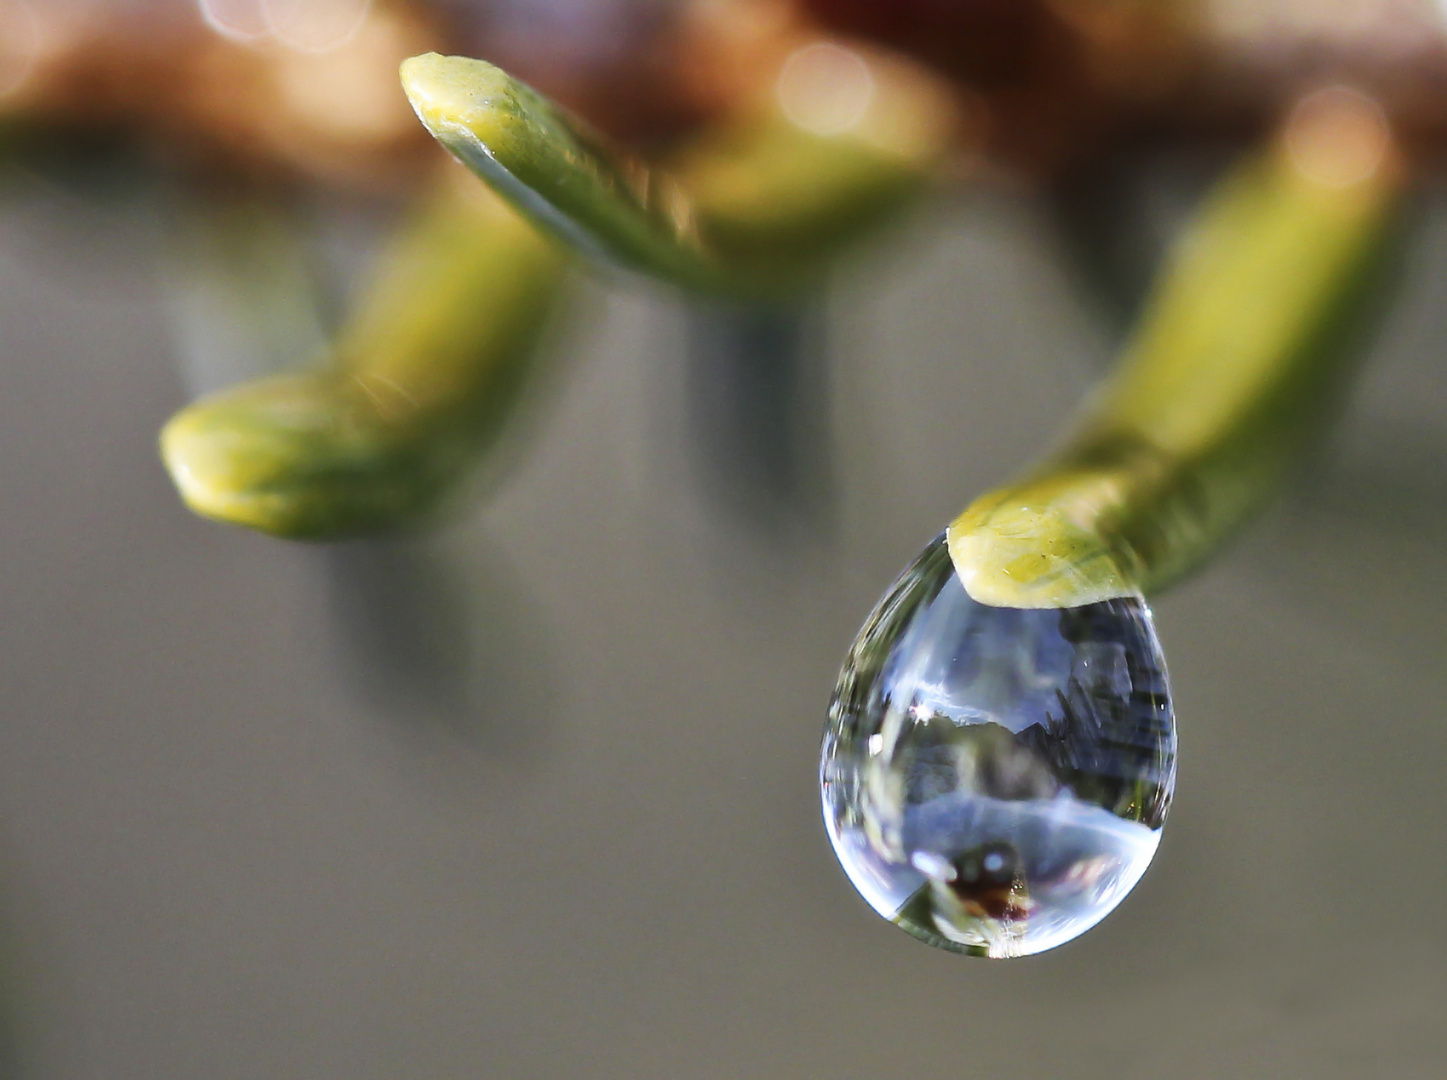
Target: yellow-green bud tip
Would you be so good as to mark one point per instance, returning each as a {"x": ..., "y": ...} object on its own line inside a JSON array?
[
  {"x": 448, "y": 92},
  {"x": 219, "y": 465},
  {"x": 298, "y": 456},
  {"x": 1009, "y": 554}
]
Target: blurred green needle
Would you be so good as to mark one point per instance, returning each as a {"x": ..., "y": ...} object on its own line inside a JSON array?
[
  {"x": 420, "y": 382},
  {"x": 1231, "y": 368}
]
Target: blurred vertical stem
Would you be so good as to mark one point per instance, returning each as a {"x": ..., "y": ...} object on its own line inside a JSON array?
[
  {"x": 1228, "y": 373},
  {"x": 417, "y": 382},
  {"x": 758, "y": 396},
  {"x": 240, "y": 289}
]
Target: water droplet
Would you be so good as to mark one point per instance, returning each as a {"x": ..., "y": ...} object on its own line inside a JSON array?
[{"x": 995, "y": 779}]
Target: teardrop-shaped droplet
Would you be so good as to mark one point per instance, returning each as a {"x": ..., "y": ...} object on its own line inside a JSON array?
[{"x": 995, "y": 779}]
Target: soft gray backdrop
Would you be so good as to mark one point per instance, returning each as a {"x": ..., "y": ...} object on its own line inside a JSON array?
[{"x": 537, "y": 798}]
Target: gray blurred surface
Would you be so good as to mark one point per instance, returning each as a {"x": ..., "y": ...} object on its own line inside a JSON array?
[{"x": 537, "y": 798}]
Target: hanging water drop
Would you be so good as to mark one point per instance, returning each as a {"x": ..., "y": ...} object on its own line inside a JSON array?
[{"x": 995, "y": 779}]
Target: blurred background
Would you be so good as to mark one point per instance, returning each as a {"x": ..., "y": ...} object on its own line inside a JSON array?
[{"x": 534, "y": 793}]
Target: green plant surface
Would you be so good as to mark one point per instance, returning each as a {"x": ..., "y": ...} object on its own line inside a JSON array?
[
  {"x": 756, "y": 207},
  {"x": 1230, "y": 371},
  {"x": 414, "y": 388}
]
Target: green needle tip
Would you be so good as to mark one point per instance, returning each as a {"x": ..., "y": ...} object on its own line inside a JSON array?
[{"x": 306, "y": 456}]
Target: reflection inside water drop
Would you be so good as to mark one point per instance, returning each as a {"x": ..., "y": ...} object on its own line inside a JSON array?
[{"x": 995, "y": 779}]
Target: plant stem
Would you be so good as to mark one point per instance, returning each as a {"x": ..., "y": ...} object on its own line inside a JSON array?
[
  {"x": 754, "y": 208},
  {"x": 1227, "y": 375},
  {"x": 416, "y": 385}
]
